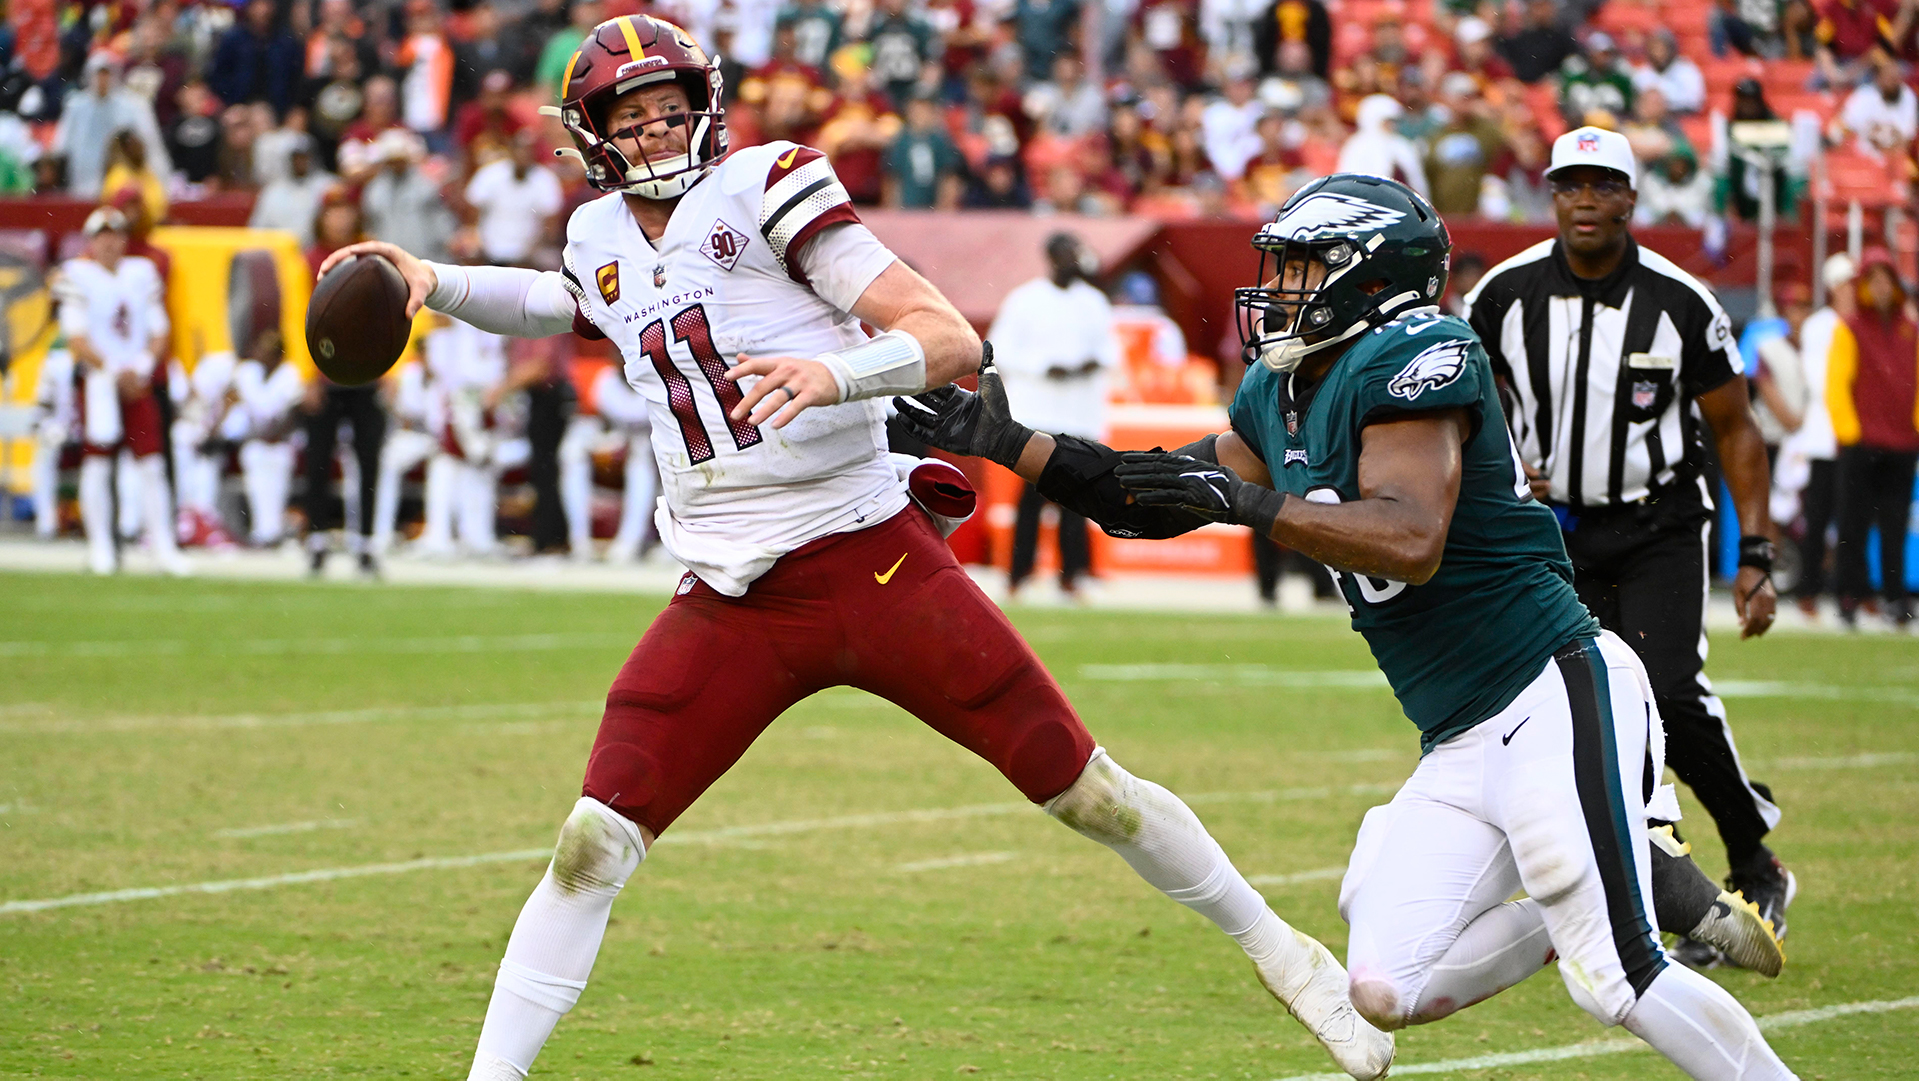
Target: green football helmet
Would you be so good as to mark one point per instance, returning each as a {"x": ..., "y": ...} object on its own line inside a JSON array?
[{"x": 1384, "y": 250}]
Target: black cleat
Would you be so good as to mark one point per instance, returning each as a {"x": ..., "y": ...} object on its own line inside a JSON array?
[{"x": 1765, "y": 882}]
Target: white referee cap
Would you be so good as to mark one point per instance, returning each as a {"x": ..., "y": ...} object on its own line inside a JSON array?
[
  {"x": 1594, "y": 146},
  {"x": 103, "y": 219}
]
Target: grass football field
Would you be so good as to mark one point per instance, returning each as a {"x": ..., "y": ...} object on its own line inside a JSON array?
[{"x": 378, "y": 770}]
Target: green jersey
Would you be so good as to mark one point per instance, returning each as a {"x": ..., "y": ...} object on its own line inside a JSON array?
[{"x": 1460, "y": 648}]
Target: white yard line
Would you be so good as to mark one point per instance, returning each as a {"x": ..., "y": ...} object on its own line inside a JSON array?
[
  {"x": 719, "y": 836},
  {"x": 1851, "y": 761},
  {"x": 1614, "y": 1046},
  {"x": 258, "y": 647},
  {"x": 1263, "y": 675},
  {"x": 971, "y": 859},
  {"x": 1317, "y": 874},
  {"x": 290, "y": 827},
  {"x": 474, "y": 711}
]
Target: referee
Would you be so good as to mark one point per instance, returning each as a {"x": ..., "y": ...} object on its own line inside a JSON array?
[{"x": 1615, "y": 366}]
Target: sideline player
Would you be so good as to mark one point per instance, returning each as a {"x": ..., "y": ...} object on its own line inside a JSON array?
[
  {"x": 116, "y": 326},
  {"x": 1370, "y": 438},
  {"x": 809, "y": 567}
]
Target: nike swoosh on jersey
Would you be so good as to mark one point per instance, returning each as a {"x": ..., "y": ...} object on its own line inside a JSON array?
[
  {"x": 882, "y": 579},
  {"x": 1508, "y": 737},
  {"x": 785, "y": 160}
]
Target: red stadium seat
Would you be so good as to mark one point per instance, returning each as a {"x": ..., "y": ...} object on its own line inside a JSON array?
[{"x": 1873, "y": 183}]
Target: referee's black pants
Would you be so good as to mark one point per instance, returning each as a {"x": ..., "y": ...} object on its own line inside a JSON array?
[
  {"x": 359, "y": 407},
  {"x": 1646, "y": 582},
  {"x": 1075, "y": 549}
]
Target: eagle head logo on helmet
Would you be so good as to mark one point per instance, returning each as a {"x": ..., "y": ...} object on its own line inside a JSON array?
[
  {"x": 619, "y": 56},
  {"x": 1383, "y": 251}
]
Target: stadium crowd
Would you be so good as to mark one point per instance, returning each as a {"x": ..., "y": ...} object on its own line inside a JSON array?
[{"x": 417, "y": 123}]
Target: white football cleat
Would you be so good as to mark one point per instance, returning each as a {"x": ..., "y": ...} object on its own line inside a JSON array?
[{"x": 1315, "y": 991}]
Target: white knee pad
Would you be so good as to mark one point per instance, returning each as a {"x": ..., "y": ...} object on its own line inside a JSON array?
[{"x": 597, "y": 851}]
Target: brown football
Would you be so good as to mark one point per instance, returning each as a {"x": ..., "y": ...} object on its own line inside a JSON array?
[{"x": 356, "y": 322}]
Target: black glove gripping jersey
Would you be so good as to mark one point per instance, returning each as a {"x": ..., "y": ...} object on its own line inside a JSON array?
[{"x": 1460, "y": 648}]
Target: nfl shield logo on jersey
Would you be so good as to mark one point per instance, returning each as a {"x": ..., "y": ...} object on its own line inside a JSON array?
[
  {"x": 1644, "y": 394},
  {"x": 724, "y": 245}
]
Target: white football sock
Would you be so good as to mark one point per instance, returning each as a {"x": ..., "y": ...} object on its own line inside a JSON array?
[
  {"x": 96, "y": 511},
  {"x": 442, "y": 477},
  {"x": 157, "y": 513},
  {"x": 1504, "y": 945},
  {"x": 556, "y": 938},
  {"x": 1162, "y": 839},
  {"x": 126, "y": 489},
  {"x": 1703, "y": 1029}
]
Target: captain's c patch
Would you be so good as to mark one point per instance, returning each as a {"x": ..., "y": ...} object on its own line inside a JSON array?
[{"x": 608, "y": 278}]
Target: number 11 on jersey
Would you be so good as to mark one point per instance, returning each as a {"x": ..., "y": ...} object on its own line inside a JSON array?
[{"x": 691, "y": 328}]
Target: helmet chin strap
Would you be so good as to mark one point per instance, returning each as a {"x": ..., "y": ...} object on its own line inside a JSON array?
[{"x": 1289, "y": 354}]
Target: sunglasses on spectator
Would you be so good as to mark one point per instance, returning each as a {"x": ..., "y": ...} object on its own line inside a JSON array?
[{"x": 1609, "y": 189}]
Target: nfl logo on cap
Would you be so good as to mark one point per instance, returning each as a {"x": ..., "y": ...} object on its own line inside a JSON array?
[
  {"x": 1594, "y": 146},
  {"x": 1588, "y": 142}
]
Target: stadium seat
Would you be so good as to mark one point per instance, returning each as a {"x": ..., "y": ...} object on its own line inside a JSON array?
[{"x": 1851, "y": 176}]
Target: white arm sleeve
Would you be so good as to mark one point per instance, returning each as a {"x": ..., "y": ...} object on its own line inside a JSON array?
[
  {"x": 504, "y": 300},
  {"x": 842, "y": 261}
]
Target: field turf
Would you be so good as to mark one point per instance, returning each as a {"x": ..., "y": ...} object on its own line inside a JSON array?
[{"x": 797, "y": 923}]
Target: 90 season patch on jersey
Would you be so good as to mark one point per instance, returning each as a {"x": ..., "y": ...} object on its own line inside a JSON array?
[{"x": 1437, "y": 366}]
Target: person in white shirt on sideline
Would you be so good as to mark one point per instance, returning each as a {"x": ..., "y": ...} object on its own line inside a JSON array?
[
  {"x": 409, "y": 441},
  {"x": 268, "y": 393},
  {"x": 1814, "y": 444},
  {"x": 1056, "y": 347},
  {"x": 516, "y": 200}
]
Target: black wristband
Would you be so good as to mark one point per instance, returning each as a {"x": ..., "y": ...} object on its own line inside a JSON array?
[
  {"x": 1757, "y": 552},
  {"x": 1007, "y": 444},
  {"x": 1257, "y": 507}
]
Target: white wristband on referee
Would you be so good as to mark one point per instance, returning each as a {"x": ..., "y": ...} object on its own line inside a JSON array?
[{"x": 893, "y": 363}]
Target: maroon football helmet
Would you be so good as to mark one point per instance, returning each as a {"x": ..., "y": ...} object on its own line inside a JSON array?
[{"x": 624, "y": 54}]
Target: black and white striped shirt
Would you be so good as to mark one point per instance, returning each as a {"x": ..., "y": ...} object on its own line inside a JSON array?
[{"x": 1601, "y": 376}]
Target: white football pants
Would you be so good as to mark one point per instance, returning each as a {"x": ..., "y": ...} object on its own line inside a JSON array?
[
  {"x": 267, "y": 471},
  {"x": 404, "y": 448}
]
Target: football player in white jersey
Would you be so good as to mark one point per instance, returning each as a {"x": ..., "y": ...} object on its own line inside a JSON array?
[
  {"x": 116, "y": 326},
  {"x": 53, "y": 429},
  {"x": 734, "y": 287}
]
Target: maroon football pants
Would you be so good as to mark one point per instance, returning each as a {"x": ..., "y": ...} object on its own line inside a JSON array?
[{"x": 887, "y": 610}]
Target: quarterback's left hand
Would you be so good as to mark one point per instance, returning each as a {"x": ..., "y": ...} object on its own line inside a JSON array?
[
  {"x": 787, "y": 385},
  {"x": 1214, "y": 492},
  {"x": 1755, "y": 600}
]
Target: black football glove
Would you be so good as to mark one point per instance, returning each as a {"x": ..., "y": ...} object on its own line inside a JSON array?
[
  {"x": 1214, "y": 492},
  {"x": 961, "y": 422}
]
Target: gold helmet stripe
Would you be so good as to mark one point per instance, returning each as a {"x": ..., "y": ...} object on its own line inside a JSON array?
[
  {"x": 566, "y": 80},
  {"x": 634, "y": 50}
]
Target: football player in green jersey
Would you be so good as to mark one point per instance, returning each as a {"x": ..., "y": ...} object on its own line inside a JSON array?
[{"x": 1369, "y": 436}]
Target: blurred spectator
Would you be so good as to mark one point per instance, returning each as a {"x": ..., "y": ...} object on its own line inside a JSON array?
[
  {"x": 426, "y": 88},
  {"x": 1651, "y": 130},
  {"x": 1779, "y": 378},
  {"x": 1055, "y": 349},
  {"x": 1464, "y": 152},
  {"x": 1421, "y": 117},
  {"x": 273, "y": 147},
  {"x": 1299, "y": 22},
  {"x": 380, "y": 114},
  {"x": 1674, "y": 76},
  {"x": 999, "y": 184},
  {"x": 1809, "y": 456},
  {"x": 238, "y": 131},
  {"x": 193, "y": 140},
  {"x": 786, "y": 94},
  {"x": 292, "y": 202},
  {"x": 858, "y": 129},
  {"x": 93, "y": 116},
  {"x": 334, "y": 98},
  {"x": 486, "y": 126},
  {"x": 1169, "y": 30},
  {"x": 1229, "y": 30},
  {"x": 402, "y": 204},
  {"x": 338, "y": 224},
  {"x": 1069, "y": 104},
  {"x": 1798, "y": 30},
  {"x": 517, "y": 203},
  {"x": 1043, "y": 29},
  {"x": 903, "y": 47},
  {"x": 1872, "y": 391},
  {"x": 480, "y": 54},
  {"x": 1388, "y": 48},
  {"x": 1229, "y": 124},
  {"x": 560, "y": 46},
  {"x": 1594, "y": 87},
  {"x": 1741, "y": 26},
  {"x": 339, "y": 24},
  {"x": 1268, "y": 179},
  {"x": 1848, "y": 31},
  {"x": 18, "y": 153},
  {"x": 816, "y": 31},
  {"x": 1539, "y": 46},
  {"x": 1673, "y": 190},
  {"x": 966, "y": 30},
  {"x": 127, "y": 168},
  {"x": 1737, "y": 185},
  {"x": 1293, "y": 85},
  {"x": 156, "y": 65},
  {"x": 1883, "y": 115},
  {"x": 1377, "y": 150},
  {"x": 256, "y": 60},
  {"x": 923, "y": 167},
  {"x": 1473, "y": 42}
]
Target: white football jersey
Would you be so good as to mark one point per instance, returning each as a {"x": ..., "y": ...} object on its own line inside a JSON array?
[
  {"x": 724, "y": 279},
  {"x": 267, "y": 399},
  {"x": 118, "y": 311}
]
